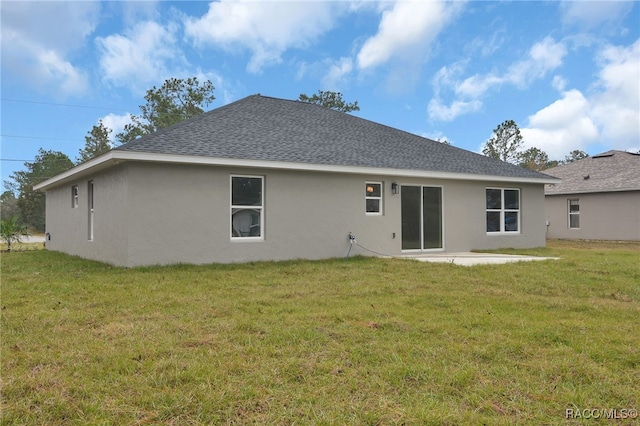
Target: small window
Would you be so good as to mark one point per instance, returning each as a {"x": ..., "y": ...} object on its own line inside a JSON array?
[
  {"x": 373, "y": 198},
  {"x": 574, "y": 214},
  {"x": 503, "y": 210},
  {"x": 247, "y": 203},
  {"x": 74, "y": 197}
]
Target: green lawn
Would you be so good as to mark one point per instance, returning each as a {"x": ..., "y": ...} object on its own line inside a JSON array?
[{"x": 362, "y": 341}]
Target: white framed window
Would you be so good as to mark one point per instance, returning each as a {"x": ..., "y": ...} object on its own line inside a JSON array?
[
  {"x": 74, "y": 197},
  {"x": 373, "y": 198},
  {"x": 247, "y": 207},
  {"x": 573, "y": 208},
  {"x": 503, "y": 210}
]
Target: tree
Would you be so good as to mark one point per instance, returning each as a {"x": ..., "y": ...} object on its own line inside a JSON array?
[
  {"x": 176, "y": 100},
  {"x": 11, "y": 231},
  {"x": 553, "y": 163},
  {"x": 534, "y": 159},
  {"x": 331, "y": 100},
  {"x": 96, "y": 142},
  {"x": 505, "y": 144},
  {"x": 575, "y": 155},
  {"x": 8, "y": 205},
  {"x": 32, "y": 203}
]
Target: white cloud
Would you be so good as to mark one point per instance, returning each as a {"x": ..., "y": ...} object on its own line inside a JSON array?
[
  {"x": 558, "y": 83},
  {"x": 590, "y": 14},
  {"x": 53, "y": 68},
  {"x": 60, "y": 26},
  {"x": 447, "y": 76},
  {"x": 555, "y": 116},
  {"x": 543, "y": 57},
  {"x": 441, "y": 112},
  {"x": 37, "y": 38},
  {"x": 561, "y": 127},
  {"x": 475, "y": 86},
  {"x": 617, "y": 105},
  {"x": 335, "y": 77},
  {"x": 406, "y": 30},
  {"x": 116, "y": 123},
  {"x": 141, "y": 57},
  {"x": 610, "y": 116},
  {"x": 267, "y": 29},
  {"x": 487, "y": 45}
]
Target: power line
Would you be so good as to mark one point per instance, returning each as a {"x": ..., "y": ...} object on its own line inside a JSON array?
[
  {"x": 32, "y": 160},
  {"x": 38, "y": 137},
  {"x": 24, "y": 101}
]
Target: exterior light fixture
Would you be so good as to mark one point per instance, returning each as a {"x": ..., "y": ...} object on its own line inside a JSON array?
[{"x": 395, "y": 188}]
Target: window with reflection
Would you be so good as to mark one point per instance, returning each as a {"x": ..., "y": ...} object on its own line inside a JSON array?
[
  {"x": 373, "y": 198},
  {"x": 247, "y": 204},
  {"x": 502, "y": 210}
]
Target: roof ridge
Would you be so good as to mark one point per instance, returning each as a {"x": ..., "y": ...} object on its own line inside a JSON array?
[{"x": 267, "y": 128}]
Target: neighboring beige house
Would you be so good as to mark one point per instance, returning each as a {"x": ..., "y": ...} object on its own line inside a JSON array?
[
  {"x": 598, "y": 198},
  {"x": 272, "y": 179}
]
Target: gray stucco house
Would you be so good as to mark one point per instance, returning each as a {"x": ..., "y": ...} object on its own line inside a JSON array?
[
  {"x": 598, "y": 198},
  {"x": 271, "y": 179}
]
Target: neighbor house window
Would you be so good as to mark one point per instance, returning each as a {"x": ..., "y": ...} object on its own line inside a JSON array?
[
  {"x": 373, "y": 197},
  {"x": 247, "y": 204},
  {"x": 503, "y": 210},
  {"x": 74, "y": 197},
  {"x": 574, "y": 214}
]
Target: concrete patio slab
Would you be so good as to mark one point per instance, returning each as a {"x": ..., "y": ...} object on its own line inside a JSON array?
[{"x": 471, "y": 259}]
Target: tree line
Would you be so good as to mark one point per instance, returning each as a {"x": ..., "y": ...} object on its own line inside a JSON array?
[{"x": 507, "y": 144}]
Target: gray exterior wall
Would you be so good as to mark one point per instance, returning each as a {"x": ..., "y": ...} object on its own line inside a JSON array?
[
  {"x": 153, "y": 213},
  {"x": 68, "y": 227},
  {"x": 603, "y": 216}
]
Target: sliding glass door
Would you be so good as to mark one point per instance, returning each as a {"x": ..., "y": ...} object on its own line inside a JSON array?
[{"x": 421, "y": 217}]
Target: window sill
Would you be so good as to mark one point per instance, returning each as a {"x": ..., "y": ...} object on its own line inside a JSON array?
[
  {"x": 504, "y": 233},
  {"x": 246, "y": 239}
]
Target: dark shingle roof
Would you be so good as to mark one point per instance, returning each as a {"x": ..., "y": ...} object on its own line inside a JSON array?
[
  {"x": 270, "y": 129},
  {"x": 609, "y": 171}
]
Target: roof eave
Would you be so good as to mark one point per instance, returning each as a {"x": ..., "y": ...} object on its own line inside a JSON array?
[
  {"x": 594, "y": 191},
  {"x": 101, "y": 162},
  {"x": 115, "y": 156}
]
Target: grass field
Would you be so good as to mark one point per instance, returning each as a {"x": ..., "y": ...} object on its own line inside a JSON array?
[{"x": 362, "y": 341}]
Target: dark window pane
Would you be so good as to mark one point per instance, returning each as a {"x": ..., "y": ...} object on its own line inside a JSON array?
[
  {"x": 373, "y": 206},
  {"x": 410, "y": 206},
  {"x": 432, "y": 220},
  {"x": 511, "y": 199},
  {"x": 511, "y": 221},
  {"x": 494, "y": 199},
  {"x": 245, "y": 222},
  {"x": 574, "y": 207},
  {"x": 373, "y": 190},
  {"x": 246, "y": 191},
  {"x": 493, "y": 221},
  {"x": 574, "y": 221}
]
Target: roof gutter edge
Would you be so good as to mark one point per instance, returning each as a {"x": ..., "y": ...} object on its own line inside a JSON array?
[
  {"x": 594, "y": 191},
  {"x": 115, "y": 156}
]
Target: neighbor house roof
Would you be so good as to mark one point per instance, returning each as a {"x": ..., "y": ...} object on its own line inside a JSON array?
[
  {"x": 606, "y": 172},
  {"x": 262, "y": 131}
]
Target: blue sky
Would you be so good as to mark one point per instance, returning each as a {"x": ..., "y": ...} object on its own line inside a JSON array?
[{"x": 567, "y": 72}]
